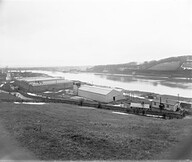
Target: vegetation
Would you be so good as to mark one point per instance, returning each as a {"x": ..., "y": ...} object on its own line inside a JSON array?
[
  {"x": 172, "y": 67},
  {"x": 166, "y": 66},
  {"x": 8, "y": 97},
  {"x": 68, "y": 132},
  {"x": 2, "y": 77}
]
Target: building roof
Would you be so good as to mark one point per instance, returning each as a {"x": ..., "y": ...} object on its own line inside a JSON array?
[
  {"x": 94, "y": 89},
  {"x": 33, "y": 79},
  {"x": 166, "y": 101},
  {"x": 38, "y": 83}
]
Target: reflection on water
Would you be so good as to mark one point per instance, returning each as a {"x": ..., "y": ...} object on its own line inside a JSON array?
[
  {"x": 156, "y": 85},
  {"x": 175, "y": 85},
  {"x": 164, "y": 82},
  {"x": 120, "y": 78}
]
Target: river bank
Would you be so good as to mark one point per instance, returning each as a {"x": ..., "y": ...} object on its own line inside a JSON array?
[
  {"x": 134, "y": 86},
  {"x": 153, "y": 77}
]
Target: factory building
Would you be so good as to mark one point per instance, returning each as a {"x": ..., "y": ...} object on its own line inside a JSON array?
[
  {"x": 168, "y": 104},
  {"x": 172, "y": 104},
  {"x": 100, "y": 94},
  {"x": 41, "y": 84}
]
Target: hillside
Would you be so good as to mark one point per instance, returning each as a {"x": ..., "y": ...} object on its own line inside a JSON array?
[
  {"x": 173, "y": 66},
  {"x": 70, "y": 132}
]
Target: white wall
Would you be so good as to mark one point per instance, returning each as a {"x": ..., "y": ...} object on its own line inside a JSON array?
[
  {"x": 118, "y": 95},
  {"x": 100, "y": 97},
  {"x": 92, "y": 96}
]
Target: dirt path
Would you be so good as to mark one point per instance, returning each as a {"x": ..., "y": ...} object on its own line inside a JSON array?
[{"x": 10, "y": 148}]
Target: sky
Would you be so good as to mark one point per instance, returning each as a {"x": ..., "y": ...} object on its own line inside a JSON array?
[{"x": 93, "y": 32}]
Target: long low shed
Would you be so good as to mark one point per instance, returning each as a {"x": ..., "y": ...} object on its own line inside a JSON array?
[
  {"x": 38, "y": 84},
  {"x": 100, "y": 94}
]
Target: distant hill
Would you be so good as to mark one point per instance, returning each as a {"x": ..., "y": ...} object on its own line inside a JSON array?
[
  {"x": 51, "y": 68},
  {"x": 173, "y": 67}
]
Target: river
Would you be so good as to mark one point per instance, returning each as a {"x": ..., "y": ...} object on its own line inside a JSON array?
[{"x": 182, "y": 88}]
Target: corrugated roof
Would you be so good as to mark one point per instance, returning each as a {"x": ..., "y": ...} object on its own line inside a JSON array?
[
  {"x": 49, "y": 83},
  {"x": 32, "y": 79},
  {"x": 94, "y": 89}
]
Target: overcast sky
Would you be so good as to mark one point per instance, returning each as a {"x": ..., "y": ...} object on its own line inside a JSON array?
[{"x": 91, "y": 32}]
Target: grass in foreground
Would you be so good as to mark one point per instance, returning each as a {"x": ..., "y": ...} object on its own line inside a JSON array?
[{"x": 75, "y": 133}]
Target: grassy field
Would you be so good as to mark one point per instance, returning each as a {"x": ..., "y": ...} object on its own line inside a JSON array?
[
  {"x": 8, "y": 97},
  {"x": 70, "y": 132}
]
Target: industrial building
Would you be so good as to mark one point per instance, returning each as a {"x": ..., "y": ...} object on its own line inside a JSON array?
[
  {"x": 168, "y": 104},
  {"x": 100, "y": 94},
  {"x": 40, "y": 84}
]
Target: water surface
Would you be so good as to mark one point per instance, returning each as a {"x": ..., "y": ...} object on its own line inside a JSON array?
[{"x": 161, "y": 85}]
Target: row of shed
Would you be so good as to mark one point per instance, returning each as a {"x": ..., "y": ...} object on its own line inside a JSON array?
[
  {"x": 107, "y": 95},
  {"x": 41, "y": 84},
  {"x": 95, "y": 93}
]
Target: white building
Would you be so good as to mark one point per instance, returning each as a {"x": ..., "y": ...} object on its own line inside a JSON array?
[
  {"x": 168, "y": 104},
  {"x": 171, "y": 104},
  {"x": 100, "y": 94},
  {"x": 9, "y": 76}
]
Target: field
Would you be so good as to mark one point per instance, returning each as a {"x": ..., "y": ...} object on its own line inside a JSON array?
[
  {"x": 166, "y": 66},
  {"x": 71, "y": 132},
  {"x": 8, "y": 97}
]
